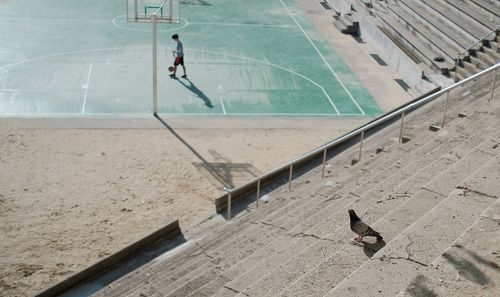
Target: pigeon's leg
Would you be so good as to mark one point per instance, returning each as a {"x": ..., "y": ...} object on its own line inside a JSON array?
[{"x": 359, "y": 239}]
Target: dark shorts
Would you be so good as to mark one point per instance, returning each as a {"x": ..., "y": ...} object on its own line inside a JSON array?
[{"x": 179, "y": 60}]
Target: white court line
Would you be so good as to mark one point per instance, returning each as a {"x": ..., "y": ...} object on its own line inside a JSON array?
[
  {"x": 243, "y": 25},
  {"x": 86, "y": 87},
  {"x": 31, "y": 20},
  {"x": 322, "y": 57},
  {"x": 220, "y": 90},
  {"x": 279, "y": 67},
  {"x": 222, "y": 104},
  {"x": 31, "y": 60},
  {"x": 263, "y": 114}
]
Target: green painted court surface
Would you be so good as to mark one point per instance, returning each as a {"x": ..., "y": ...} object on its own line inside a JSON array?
[{"x": 259, "y": 57}]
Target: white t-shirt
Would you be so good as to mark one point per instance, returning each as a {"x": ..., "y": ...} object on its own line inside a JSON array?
[{"x": 179, "y": 51}]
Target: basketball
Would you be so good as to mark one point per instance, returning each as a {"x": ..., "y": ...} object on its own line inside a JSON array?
[{"x": 171, "y": 68}]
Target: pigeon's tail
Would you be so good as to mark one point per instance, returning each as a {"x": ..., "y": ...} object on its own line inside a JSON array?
[{"x": 374, "y": 233}]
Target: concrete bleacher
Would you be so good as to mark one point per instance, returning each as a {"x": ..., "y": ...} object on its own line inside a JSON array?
[
  {"x": 431, "y": 198},
  {"x": 436, "y": 32}
]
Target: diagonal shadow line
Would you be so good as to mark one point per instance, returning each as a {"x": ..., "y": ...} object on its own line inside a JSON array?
[
  {"x": 223, "y": 180},
  {"x": 467, "y": 269},
  {"x": 194, "y": 89}
]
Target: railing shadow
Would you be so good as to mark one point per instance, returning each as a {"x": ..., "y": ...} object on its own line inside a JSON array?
[
  {"x": 418, "y": 288},
  {"x": 467, "y": 269}
]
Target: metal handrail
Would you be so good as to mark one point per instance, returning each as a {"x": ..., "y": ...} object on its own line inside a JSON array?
[
  {"x": 472, "y": 46},
  {"x": 337, "y": 11},
  {"x": 479, "y": 40},
  {"x": 360, "y": 131}
]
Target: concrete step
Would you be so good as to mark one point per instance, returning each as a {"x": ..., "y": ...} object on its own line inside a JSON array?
[
  {"x": 478, "y": 64},
  {"x": 318, "y": 281},
  {"x": 485, "y": 57},
  {"x": 438, "y": 24},
  {"x": 469, "y": 67},
  {"x": 464, "y": 72},
  {"x": 490, "y": 7},
  {"x": 279, "y": 278},
  {"x": 211, "y": 272},
  {"x": 478, "y": 16},
  {"x": 232, "y": 273},
  {"x": 425, "y": 33},
  {"x": 331, "y": 224},
  {"x": 347, "y": 24},
  {"x": 469, "y": 266},
  {"x": 393, "y": 268},
  {"x": 213, "y": 262},
  {"x": 458, "y": 18},
  {"x": 492, "y": 52},
  {"x": 419, "y": 48},
  {"x": 318, "y": 232}
]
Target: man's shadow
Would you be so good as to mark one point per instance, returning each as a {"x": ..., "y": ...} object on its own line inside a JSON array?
[{"x": 192, "y": 87}]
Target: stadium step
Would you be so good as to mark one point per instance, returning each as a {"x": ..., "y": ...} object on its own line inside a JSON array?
[
  {"x": 439, "y": 25},
  {"x": 468, "y": 266},
  {"x": 488, "y": 7},
  {"x": 245, "y": 278},
  {"x": 479, "y": 16},
  {"x": 315, "y": 281},
  {"x": 429, "y": 56},
  {"x": 424, "y": 32},
  {"x": 347, "y": 24},
  {"x": 412, "y": 251},
  {"x": 458, "y": 18},
  {"x": 279, "y": 278}
]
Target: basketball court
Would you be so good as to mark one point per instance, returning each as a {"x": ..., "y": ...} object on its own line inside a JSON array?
[{"x": 243, "y": 58}]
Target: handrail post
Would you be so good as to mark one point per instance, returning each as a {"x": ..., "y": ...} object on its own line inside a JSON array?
[
  {"x": 258, "y": 193},
  {"x": 228, "y": 203},
  {"x": 456, "y": 68},
  {"x": 361, "y": 144},
  {"x": 402, "y": 127},
  {"x": 324, "y": 163},
  {"x": 493, "y": 84},
  {"x": 445, "y": 108},
  {"x": 290, "y": 177}
]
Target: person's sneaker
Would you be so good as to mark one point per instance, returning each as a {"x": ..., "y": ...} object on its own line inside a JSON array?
[
  {"x": 172, "y": 75},
  {"x": 184, "y": 76}
]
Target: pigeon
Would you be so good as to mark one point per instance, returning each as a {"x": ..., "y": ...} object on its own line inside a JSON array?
[{"x": 360, "y": 228}]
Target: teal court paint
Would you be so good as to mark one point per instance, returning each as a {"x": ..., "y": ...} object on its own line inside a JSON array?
[{"x": 260, "y": 57}]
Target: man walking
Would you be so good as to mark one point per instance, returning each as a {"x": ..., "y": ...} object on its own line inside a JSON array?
[{"x": 179, "y": 56}]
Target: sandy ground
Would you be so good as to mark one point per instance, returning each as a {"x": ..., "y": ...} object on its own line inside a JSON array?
[{"x": 71, "y": 196}]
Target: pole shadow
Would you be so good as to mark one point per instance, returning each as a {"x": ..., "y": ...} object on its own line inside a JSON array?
[
  {"x": 196, "y": 91},
  {"x": 225, "y": 180}
]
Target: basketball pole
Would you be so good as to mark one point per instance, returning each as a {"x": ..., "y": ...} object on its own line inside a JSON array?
[{"x": 155, "y": 70}]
